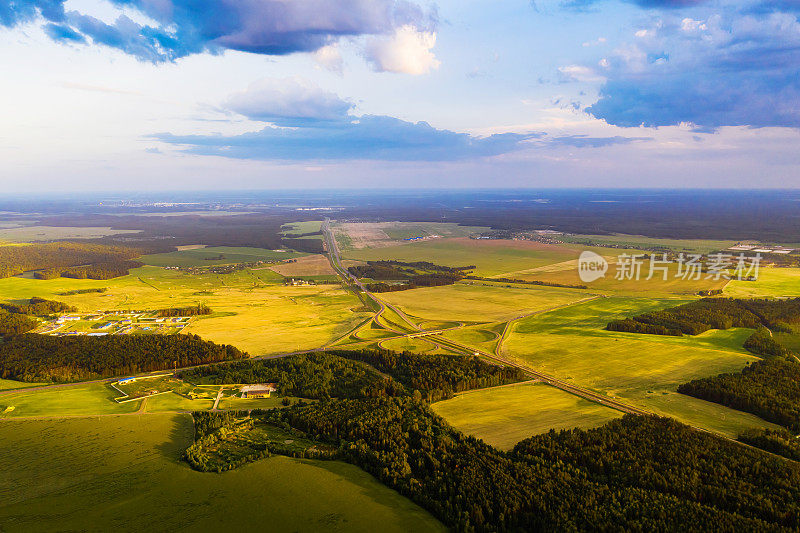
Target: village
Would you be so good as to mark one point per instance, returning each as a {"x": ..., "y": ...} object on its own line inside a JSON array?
[{"x": 101, "y": 323}]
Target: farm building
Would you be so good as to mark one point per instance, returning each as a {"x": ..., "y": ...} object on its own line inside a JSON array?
[
  {"x": 258, "y": 391},
  {"x": 126, "y": 380}
]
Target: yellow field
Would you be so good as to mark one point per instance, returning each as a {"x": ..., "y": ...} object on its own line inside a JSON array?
[
  {"x": 478, "y": 302},
  {"x": 771, "y": 282},
  {"x": 252, "y": 310},
  {"x": 311, "y": 265}
]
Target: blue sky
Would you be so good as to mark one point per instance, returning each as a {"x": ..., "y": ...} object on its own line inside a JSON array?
[{"x": 176, "y": 94}]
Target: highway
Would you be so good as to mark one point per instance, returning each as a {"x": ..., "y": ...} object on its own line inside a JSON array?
[{"x": 336, "y": 262}]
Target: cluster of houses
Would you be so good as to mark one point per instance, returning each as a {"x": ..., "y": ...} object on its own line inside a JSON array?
[
  {"x": 111, "y": 323},
  {"x": 262, "y": 390},
  {"x": 758, "y": 248}
]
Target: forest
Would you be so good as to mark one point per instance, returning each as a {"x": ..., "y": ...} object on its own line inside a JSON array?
[
  {"x": 355, "y": 374},
  {"x": 436, "y": 377},
  {"x": 769, "y": 389},
  {"x": 59, "y": 256},
  {"x": 38, "y": 307},
  {"x": 44, "y": 358},
  {"x": 104, "y": 270},
  {"x": 314, "y": 375},
  {"x": 12, "y": 324},
  {"x": 637, "y": 473}
]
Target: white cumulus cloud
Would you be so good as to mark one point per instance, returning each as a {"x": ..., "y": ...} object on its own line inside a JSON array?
[{"x": 408, "y": 51}]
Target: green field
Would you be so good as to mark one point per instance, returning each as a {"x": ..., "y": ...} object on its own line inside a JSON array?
[
  {"x": 473, "y": 301},
  {"x": 10, "y": 384},
  {"x": 78, "y": 400},
  {"x": 175, "y": 402},
  {"x": 217, "y": 255},
  {"x": 416, "y": 345},
  {"x": 570, "y": 344},
  {"x": 298, "y": 228},
  {"x": 503, "y": 416},
  {"x": 705, "y": 415},
  {"x": 123, "y": 473}
]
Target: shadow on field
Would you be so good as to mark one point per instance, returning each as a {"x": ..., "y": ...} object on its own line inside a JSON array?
[
  {"x": 181, "y": 435},
  {"x": 365, "y": 482}
]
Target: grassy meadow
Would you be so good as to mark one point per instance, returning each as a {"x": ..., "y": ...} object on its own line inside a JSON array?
[
  {"x": 503, "y": 416},
  {"x": 122, "y": 473}
]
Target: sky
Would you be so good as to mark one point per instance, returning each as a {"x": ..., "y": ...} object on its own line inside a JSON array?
[{"x": 262, "y": 94}]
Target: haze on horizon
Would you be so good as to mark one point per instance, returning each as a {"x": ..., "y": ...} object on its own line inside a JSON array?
[{"x": 264, "y": 94}]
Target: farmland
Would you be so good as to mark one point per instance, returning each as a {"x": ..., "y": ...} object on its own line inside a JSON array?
[
  {"x": 476, "y": 302},
  {"x": 557, "y": 330}
]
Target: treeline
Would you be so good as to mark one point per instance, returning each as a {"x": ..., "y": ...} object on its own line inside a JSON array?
[
  {"x": 104, "y": 270},
  {"x": 769, "y": 389},
  {"x": 436, "y": 377},
  {"x": 634, "y": 474},
  {"x": 531, "y": 282},
  {"x": 82, "y": 291},
  {"x": 59, "y": 256},
  {"x": 712, "y": 313},
  {"x": 777, "y": 441},
  {"x": 12, "y": 324},
  {"x": 192, "y": 310},
  {"x": 314, "y": 375},
  {"x": 39, "y": 307},
  {"x": 35, "y": 358},
  {"x": 761, "y": 342}
]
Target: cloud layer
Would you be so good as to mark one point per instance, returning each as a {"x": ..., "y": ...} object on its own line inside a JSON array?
[
  {"x": 185, "y": 27},
  {"x": 288, "y": 102},
  {"x": 368, "y": 137}
]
